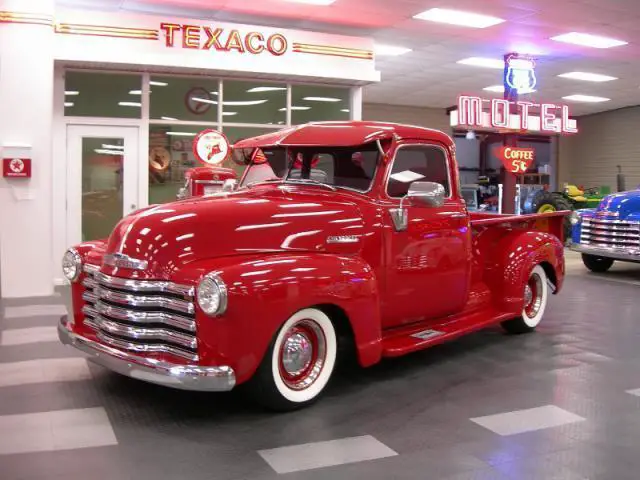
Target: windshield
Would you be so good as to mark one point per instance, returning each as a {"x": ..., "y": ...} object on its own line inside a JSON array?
[{"x": 338, "y": 167}]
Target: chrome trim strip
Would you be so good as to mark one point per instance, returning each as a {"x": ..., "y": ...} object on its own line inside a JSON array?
[
  {"x": 148, "y": 301},
  {"x": 89, "y": 282},
  {"x": 89, "y": 311},
  {"x": 144, "y": 285},
  {"x": 607, "y": 252},
  {"x": 89, "y": 297},
  {"x": 142, "y": 334},
  {"x": 606, "y": 221},
  {"x": 146, "y": 348},
  {"x": 185, "y": 377},
  {"x": 611, "y": 233},
  {"x": 343, "y": 239},
  {"x": 90, "y": 323},
  {"x": 91, "y": 269},
  {"x": 133, "y": 316}
]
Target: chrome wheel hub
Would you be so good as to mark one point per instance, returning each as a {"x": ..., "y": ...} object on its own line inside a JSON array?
[
  {"x": 528, "y": 295},
  {"x": 297, "y": 353}
]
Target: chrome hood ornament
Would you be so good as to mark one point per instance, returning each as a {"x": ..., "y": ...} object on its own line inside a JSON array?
[{"x": 120, "y": 260}]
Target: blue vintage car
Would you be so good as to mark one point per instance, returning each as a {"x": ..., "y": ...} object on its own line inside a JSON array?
[{"x": 610, "y": 232}]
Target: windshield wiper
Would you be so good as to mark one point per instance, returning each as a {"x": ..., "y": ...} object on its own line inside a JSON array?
[{"x": 309, "y": 181}]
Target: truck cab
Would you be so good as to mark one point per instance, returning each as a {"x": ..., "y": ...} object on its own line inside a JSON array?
[
  {"x": 610, "y": 232},
  {"x": 340, "y": 236}
]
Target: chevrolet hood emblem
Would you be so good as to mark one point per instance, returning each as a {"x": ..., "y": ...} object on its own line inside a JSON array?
[{"x": 120, "y": 260}]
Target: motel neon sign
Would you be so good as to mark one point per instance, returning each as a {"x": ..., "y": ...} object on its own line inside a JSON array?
[{"x": 520, "y": 115}]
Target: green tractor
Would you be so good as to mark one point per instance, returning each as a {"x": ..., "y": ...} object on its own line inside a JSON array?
[{"x": 572, "y": 198}]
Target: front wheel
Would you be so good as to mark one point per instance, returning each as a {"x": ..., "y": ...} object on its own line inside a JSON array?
[
  {"x": 536, "y": 292},
  {"x": 298, "y": 364},
  {"x": 597, "y": 264}
]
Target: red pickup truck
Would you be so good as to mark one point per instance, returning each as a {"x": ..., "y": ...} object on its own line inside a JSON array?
[{"x": 339, "y": 236}]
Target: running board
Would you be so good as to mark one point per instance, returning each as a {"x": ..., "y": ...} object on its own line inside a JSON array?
[{"x": 409, "y": 339}]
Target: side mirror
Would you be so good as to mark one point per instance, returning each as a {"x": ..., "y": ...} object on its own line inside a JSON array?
[
  {"x": 428, "y": 194},
  {"x": 229, "y": 185}
]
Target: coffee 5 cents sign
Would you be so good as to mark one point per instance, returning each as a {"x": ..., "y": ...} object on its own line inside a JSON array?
[
  {"x": 516, "y": 159},
  {"x": 211, "y": 147}
]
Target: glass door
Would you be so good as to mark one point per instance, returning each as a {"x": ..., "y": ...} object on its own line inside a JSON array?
[{"x": 102, "y": 179}]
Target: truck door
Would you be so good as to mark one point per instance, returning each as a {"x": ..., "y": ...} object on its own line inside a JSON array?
[{"x": 428, "y": 265}]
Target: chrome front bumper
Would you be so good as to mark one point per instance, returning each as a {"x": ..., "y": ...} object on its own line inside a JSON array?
[
  {"x": 614, "y": 253},
  {"x": 184, "y": 377}
]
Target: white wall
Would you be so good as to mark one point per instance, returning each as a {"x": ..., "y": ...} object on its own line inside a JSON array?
[
  {"x": 26, "y": 97},
  {"x": 605, "y": 140},
  {"x": 423, "y": 117}
]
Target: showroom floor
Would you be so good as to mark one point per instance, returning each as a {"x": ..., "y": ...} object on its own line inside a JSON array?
[{"x": 562, "y": 403}]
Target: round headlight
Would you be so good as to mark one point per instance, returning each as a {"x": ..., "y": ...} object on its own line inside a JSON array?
[
  {"x": 212, "y": 295},
  {"x": 71, "y": 265},
  {"x": 574, "y": 218}
]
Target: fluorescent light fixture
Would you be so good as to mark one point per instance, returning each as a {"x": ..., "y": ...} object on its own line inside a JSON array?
[
  {"x": 313, "y": 2},
  {"x": 495, "y": 88},
  {"x": 389, "y": 50},
  {"x": 135, "y": 92},
  {"x": 113, "y": 147},
  {"x": 585, "y": 98},
  {"x": 322, "y": 99},
  {"x": 345, "y": 110},
  {"x": 588, "y": 40},
  {"x": 588, "y": 77},
  {"x": 239, "y": 103},
  {"x": 158, "y": 84},
  {"x": 68, "y": 104},
  {"x": 72, "y": 92},
  {"x": 458, "y": 17},
  {"x": 294, "y": 108},
  {"x": 130, "y": 104},
  {"x": 168, "y": 118},
  {"x": 265, "y": 89},
  {"x": 182, "y": 134},
  {"x": 229, "y": 114},
  {"x": 106, "y": 151},
  {"x": 483, "y": 62},
  {"x": 213, "y": 93}
]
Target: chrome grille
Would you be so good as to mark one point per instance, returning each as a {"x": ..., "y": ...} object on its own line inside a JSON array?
[
  {"x": 615, "y": 234},
  {"x": 144, "y": 316}
]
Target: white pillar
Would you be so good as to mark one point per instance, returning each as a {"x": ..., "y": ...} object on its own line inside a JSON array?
[
  {"x": 26, "y": 99},
  {"x": 356, "y": 103}
]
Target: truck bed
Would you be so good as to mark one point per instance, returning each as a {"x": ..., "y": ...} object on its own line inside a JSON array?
[{"x": 552, "y": 222}]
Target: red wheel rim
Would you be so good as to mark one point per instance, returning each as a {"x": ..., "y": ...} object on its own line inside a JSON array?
[
  {"x": 533, "y": 296},
  {"x": 302, "y": 354}
]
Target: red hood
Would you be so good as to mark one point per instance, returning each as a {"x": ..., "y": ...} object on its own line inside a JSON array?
[{"x": 262, "y": 219}]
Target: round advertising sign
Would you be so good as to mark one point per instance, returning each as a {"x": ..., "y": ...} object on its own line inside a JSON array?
[
  {"x": 198, "y": 100},
  {"x": 210, "y": 147}
]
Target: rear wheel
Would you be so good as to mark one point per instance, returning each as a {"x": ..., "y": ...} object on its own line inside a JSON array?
[
  {"x": 597, "y": 264},
  {"x": 536, "y": 292},
  {"x": 299, "y": 363}
]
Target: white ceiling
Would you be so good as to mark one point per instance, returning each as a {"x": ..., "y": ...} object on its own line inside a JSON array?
[{"x": 429, "y": 75}]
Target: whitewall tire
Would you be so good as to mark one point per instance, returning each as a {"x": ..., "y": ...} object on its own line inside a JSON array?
[
  {"x": 536, "y": 294},
  {"x": 299, "y": 362}
]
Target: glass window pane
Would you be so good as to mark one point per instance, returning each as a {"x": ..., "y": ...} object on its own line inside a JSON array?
[
  {"x": 178, "y": 98},
  {"x": 102, "y": 166},
  {"x": 235, "y": 134},
  {"x": 418, "y": 163},
  {"x": 313, "y": 103},
  {"x": 254, "y": 102},
  {"x": 90, "y": 94},
  {"x": 170, "y": 155}
]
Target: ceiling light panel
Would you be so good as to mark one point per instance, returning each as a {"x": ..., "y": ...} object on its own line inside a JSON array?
[
  {"x": 495, "y": 88},
  {"x": 483, "y": 62},
  {"x": 458, "y": 17},
  {"x": 588, "y": 40},
  {"x": 585, "y": 98},
  {"x": 588, "y": 77},
  {"x": 322, "y": 99},
  {"x": 264, "y": 89}
]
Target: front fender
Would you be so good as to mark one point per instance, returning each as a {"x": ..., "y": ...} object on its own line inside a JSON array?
[
  {"x": 265, "y": 290},
  {"x": 516, "y": 254}
]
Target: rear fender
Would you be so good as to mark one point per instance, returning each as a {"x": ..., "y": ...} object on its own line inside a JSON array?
[
  {"x": 263, "y": 291},
  {"x": 516, "y": 254}
]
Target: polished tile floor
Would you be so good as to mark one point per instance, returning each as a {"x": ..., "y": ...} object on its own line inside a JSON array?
[{"x": 562, "y": 403}]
